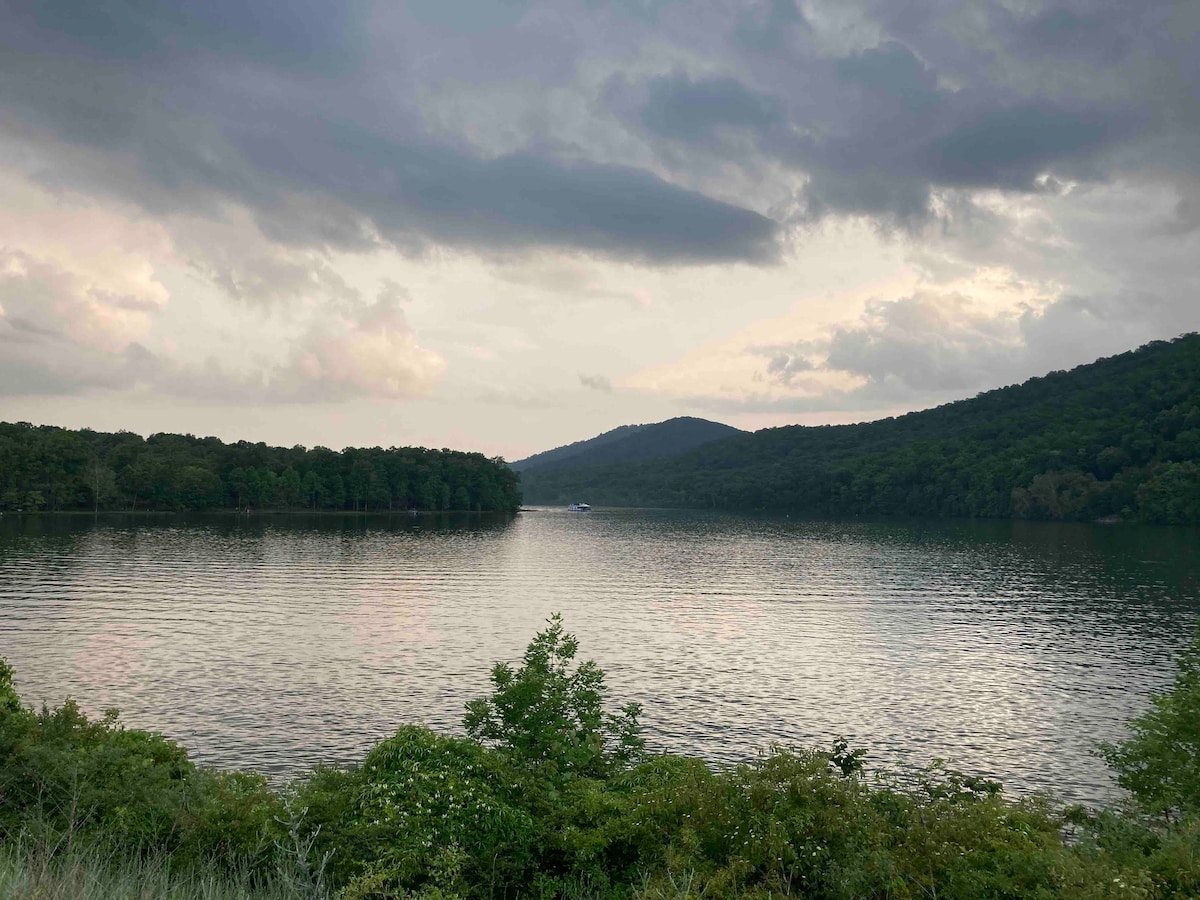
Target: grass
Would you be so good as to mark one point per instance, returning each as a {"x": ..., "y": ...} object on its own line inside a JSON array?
[{"x": 33, "y": 872}]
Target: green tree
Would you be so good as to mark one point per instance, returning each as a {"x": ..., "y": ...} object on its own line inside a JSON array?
[
  {"x": 289, "y": 489},
  {"x": 197, "y": 488},
  {"x": 1160, "y": 762},
  {"x": 1171, "y": 496},
  {"x": 313, "y": 489},
  {"x": 551, "y": 715},
  {"x": 102, "y": 484},
  {"x": 335, "y": 491}
]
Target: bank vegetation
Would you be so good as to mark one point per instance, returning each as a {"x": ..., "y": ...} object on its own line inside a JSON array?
[{"x": 551, "y": 793}]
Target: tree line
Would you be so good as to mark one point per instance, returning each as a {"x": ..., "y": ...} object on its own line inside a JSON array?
[
  {"x": 57, "y": 469},
  {"x": 1118, "y": 437}
]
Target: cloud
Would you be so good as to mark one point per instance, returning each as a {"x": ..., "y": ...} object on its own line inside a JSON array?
[
  {"x": 918, "y": 350},
  {"x": 61, "y": 334},
  {"x": 353, "y": 362},
  {"x": 596, "y": 382},
  {"x": 876, "y": 109},
  {"x": 43, "y": 300},
  {"x": 785, "y": 361},
  {"x": 767, "y": 27},
  {"x": 310, "y": 35},
  {"x": 374, "y": 353},
  {"x": 930, "y": 347},
  {"x": 53, "y": 368},
  {"x": 683, "y": 109},
  {"x": 926, "y": 343},
  {"x": 392, "y": 293},
  {"x": 1010, "y": 147},
  {"x": 337, "y": 128},
  {"x": 179, "y": 110}
]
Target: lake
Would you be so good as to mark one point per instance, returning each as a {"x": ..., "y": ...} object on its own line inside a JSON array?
[{"x": 277, "y": 642}]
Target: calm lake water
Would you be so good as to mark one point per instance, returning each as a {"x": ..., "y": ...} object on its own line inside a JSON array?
[{"x": 275, "y": 643}]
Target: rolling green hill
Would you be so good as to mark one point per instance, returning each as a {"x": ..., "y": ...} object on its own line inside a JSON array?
[
  {"x": 1120, "y": 436},
  {"x": 630, "y": 443}
]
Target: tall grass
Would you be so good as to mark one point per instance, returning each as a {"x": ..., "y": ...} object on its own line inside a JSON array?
[{"x": 30, "y": 871}]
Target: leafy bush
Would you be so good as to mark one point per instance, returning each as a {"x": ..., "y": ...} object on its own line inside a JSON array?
[
  {"x": 71, "y": 774},
  {"x": 1160, "y": 763},
  {"x": 63, "y": 776},
  {"x": 423, "y": 811},
  {"x": 794, "y": 823},
  {"x": 552, "y": 719}
]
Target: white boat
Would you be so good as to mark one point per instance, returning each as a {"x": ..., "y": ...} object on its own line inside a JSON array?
[{"x": 579, "y": 507}]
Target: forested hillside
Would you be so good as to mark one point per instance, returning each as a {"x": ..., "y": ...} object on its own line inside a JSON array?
[
  {"x": 1120, "y": 436},
  {"x": 46, "y": 468},
  {"x": 631, "y": 443},
  {"x": 547, "y": 458}
]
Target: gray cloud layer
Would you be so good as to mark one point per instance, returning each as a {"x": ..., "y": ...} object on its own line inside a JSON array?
[
  {"x": 180, "y": 107},
  {"x": 318, "y": 115},
  {"x": 876, "y": 130}
]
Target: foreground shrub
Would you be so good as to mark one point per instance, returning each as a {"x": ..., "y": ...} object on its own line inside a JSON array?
[
  {"x": 70, "y": 774},
  {"x": 1164, "y": 858},
  {"x": 795, "y": 824},
  {"x": 422, "y": 812},
  {"x": 63, "y": 776},
  {"x": 1160, "y": 762}
]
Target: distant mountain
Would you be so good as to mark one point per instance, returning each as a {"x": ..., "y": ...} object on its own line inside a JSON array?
[
  {"x": 629, "y": 444},
  {"x": 1119, "y": 437}
]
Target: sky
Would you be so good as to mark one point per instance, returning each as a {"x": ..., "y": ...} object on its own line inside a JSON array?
[{"x": 505, "y": 225}]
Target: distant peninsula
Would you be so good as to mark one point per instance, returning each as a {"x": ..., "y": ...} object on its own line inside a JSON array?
[{"x": 43, "y": 468}]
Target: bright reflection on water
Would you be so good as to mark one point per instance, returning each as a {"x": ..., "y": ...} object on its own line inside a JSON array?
[{"x": 1009, "y": 649}]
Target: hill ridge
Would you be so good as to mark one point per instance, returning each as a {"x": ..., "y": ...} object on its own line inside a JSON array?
[
  {"x": 630, "y": 443},
  {"x": 1117, "y": 436}
]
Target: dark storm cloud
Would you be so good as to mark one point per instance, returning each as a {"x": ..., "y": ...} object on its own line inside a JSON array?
[
  {"x": 311, "y": 35},
  {"x": 412, "y": 192},
  {"x": 954, "y": 96},
  {"x": 765, "y": 27},
  {"x": 1104, "y": 37},
  {"x": 682, "y": 109},
  {"x": 339, "y": 125},
  {"x": 900, "y": 135},
  {"x": 1011, "y": 147},
  {"x": 183, "y": 107}
]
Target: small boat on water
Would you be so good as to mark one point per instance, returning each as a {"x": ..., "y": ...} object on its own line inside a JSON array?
[{"x": 579, "y": 507}]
